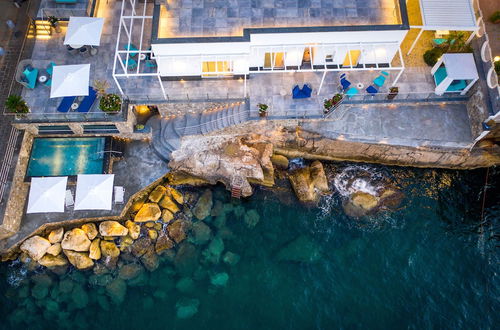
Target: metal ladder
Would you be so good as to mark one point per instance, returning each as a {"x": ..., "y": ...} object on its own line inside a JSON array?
[{"x": 236, "y": 186}]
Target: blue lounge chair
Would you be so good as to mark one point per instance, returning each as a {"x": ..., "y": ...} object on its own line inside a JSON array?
[
  {"x": 48, "y": 83},
  {"x": 372, "y": 90},
  {"x": 31, "y": 75},
  {"x": 88, "y": 101},
  {"x": 352, "y": 91},
  {"x": 50, "y": 68},
  {"x": 66, "y": 103},
  {"x": 303, "y": 93},
  {"x": 380, "y": 80},
  {"x": 132, "y": 48},
  {"x": 344, "y": 82},
  {"x": 131, "y": 64},
  {"x": 307, "y": 90}
]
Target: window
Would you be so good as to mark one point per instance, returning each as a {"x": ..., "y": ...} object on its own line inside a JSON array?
[
  {"x": 216, "y": 68},
  {"x": 274, "y": 60},
  {"x": 352, "y": 58},
  {"x": 99, "y": 129}
]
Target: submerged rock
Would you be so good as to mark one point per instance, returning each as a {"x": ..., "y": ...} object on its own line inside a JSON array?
[
  {"x": 186, "y": 259},
  {"x": 141, "y": 246},
  {"x": 76, "y": 240},
  {"x": 204, "y": 205},
  {"x": 177, "y": 231},
  {"x": 301, "y": 249},
  {"x": 185, "y": 285},
  {"x": 163, "y": 243},
  {"x": 79, "y": 297},
  {"x": 117, "y": 290},
  {"x": 91, "y": 230},
  {"x": 112, "y": 228},
  {"x": 130, "y": 271},
  {"x": 214, "y": 250},
  {"x": 157, "y": 194},
  {"x": 252, "y": 218},
  {"x": 35, "y": 247},
  {"x": 150, "y": 260},
  {"x": 201, "y": 233},
  {"x": 219, "y": 279},
  {"x": 148, "y": 212},
  {"x": 186, "y": 308},
  {"x": 231, "y": 258},
  {"x": 56, "y": 235}
]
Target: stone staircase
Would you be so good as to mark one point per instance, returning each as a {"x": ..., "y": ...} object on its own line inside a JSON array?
[{"x": 167, "y": 132}]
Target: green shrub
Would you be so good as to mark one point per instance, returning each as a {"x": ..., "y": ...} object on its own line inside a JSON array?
[
  {"x": 497, "y": 67},
  {"x": 495, "y": 18},
  {"x": 432, "y": 55},
  {"x": 110, "y": 103},
  {"x": 16, "y": 104}
]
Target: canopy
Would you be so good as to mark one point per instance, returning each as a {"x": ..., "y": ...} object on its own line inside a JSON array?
[
  {"x": 94, "y": 191},
  {"x": 47, "y": 194},
  {"x": 70, "y": 80},
  {"x": 460, "y": 66},
  {"x": 84, "y": 31},
  {"x": 456, "y": 15}
]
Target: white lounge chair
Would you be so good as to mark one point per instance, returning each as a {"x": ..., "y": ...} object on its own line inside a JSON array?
[
  {"x": 119, "y": 194},
  {"x": 69, "y": 201}
]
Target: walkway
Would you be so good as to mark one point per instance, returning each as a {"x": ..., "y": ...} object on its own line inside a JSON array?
[{"x": 409, "y": 125}]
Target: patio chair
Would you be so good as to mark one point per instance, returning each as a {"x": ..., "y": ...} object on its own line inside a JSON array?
[
  {"x": 66, "y": 103},
  {"x": 372, "y": 90},
  {"x": 68, "y": 200},
  {"x": 131, "y": 47},
  {"x": 50, "y": 68},
  {"x": 352, "y": 91},
  {"x": 150, "y": 63},
  {"x": 88, "y": 101},
  {"x": 344, "y": 82},
  {"x": 380, "y": 80},
  {"x": 131, "y": 64},
  {"x": 119, "y": 194},
  {"x": 26, "y": 74},
  {"x": 303, "y": 93}
]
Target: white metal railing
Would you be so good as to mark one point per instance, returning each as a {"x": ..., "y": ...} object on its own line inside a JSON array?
[{"x": 7, "y": 160}]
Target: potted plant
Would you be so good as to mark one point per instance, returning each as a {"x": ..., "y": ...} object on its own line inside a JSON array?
[
  {"x": 262, "y": 109},
  {"x": 16, "y": 104},
  {"x": 495, "y": 18},
  {"x": 110, "y": 103},
  {"x": 327, "y": 104},
  {"x": 393, "y": 92},
  {"x": 54, "y": 22},
  {"x": 139, "y": 127},
  {"x": 334, "y": 102}
]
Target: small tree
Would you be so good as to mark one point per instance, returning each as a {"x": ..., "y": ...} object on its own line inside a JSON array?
[
  {"x": 16, "y": 104},
  {"x": 456, "y": 43},
  {"x": 101, "y": 87}
]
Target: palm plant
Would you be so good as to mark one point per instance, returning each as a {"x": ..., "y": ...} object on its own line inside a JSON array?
[
  {"x": 16, "y": 104},
  {"x": 101, "y": 86}
]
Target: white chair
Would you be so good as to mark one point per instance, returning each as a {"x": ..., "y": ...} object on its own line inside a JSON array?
[
  {"x": 69, "y": 201},
  {"x": 119, "y": 194}
]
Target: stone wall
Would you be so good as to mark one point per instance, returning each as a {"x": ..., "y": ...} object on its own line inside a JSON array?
[
  {"x": 182, "y": 108},
  {"x": 477, "y": 110}
]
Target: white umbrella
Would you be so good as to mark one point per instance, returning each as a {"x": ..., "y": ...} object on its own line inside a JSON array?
[
  {"x": 47, "y": 194},
  {"x": 84, "y": 31},
  {"x": 94, "y": 191},
  {"x": 70, "y": 80}
]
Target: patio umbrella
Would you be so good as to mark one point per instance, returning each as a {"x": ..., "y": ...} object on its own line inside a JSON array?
[
  {"x": 94, "y": 191},
  {"x": 47, "y": 194},
  {"x": 70, "y": 80},
  {"x": 84, "y": 31}
]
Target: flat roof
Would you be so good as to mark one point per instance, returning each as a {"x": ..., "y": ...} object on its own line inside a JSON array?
[
  {"x": 228, "y": 18},
  {"x": 448, "y": 14}
]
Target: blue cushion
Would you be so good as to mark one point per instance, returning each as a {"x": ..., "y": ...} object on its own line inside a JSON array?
[
  {"x": 307, "y": 90},
  {"x": 345, "y": 83},
  {"x": 457, "y": 85},
  {"x": 440, "y": 74},
  {"x": 88, "y": 101},
  {"x": 48, "y": 83},
  {"x": 31, "y": 76},
  {"x": 50, "y": 68},
  {"x": 379, "y": 81},
  {"x": 295, "y": 90},
  {"x": 372, "y": 90},
  {"x": 66, "y": 103},
  {"x": 352, "y": 91}
]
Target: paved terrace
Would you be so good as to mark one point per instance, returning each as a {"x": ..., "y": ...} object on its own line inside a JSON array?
[
  {"x": 208, "y": 18},
  {"x": 138, "y": 168}
]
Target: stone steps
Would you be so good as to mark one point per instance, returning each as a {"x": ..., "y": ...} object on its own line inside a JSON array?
[{"x": 167, "y": 132}]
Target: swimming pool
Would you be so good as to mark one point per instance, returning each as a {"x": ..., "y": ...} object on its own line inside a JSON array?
[{"x": 67, "y": 156}]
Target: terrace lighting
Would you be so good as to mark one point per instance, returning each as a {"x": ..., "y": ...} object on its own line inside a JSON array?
[{"x": 496, "y": 59}]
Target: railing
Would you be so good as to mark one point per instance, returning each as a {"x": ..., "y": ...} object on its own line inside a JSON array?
[
  {"x": 7, "y": 160},
  {"x": 62, "y": 13}
]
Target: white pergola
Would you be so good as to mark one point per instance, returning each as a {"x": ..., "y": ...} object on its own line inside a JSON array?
[
  {"x": 453, "y": 15},
  {"x": 457, "y": 67}
]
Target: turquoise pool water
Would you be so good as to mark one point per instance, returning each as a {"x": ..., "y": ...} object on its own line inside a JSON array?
[
  {"x": 66, "y": 156},
  {"x": 432, "y": 263}
]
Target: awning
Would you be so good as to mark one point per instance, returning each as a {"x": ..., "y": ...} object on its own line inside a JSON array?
[
  {"x": 47, "y": 194},
  {"x": 455, "y": 15},
  {"x": 94, "y": 191},
  {"x": 70, "y": 80},
  {"x": 84, "y": 31}
]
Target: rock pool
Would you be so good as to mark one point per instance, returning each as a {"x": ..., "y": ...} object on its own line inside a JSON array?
[{"x": 269, "y": 262}]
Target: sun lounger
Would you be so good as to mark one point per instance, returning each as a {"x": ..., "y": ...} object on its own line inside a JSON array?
[
  {"x": 303, "y": 93},
  {"x": 352, "y": 91},
  {"x": 69, "y": 201},
  {"x": 131, "y": 47},
  {"x": 380, "y": 80},
  {"x": 344, "y": 82},
  {"x": 372, "y": 90},
  {"x": 119, "y": 194},
  {"x": 66, "y": 103},
  {"x": 88, "y": 101}
]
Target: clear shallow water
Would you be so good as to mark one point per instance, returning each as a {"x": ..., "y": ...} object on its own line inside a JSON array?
[
  {"x": 429, "y": 264},
  {"x": 66, "y": 156}
]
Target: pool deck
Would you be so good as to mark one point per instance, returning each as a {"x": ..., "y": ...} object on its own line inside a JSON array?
[{"x": 138, "y": 158}]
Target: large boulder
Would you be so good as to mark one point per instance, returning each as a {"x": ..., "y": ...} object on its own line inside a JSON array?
[
  {"x": 169, "y": 204},
  {"x": 109, "y": 249},
  {"x": 167, "y": 216},
  {"x": 79, "y": 259},
  {"x": 251, "y": 218},
  {"x": 307, "y": 181},
  {"x": 76, "y": 240},
  {"x": 177, "y": 230},
  {"x": 112, "y": 228},
  {"x": 280, "y": 161},
  {"x": 219, "y": 279},
  {"x": 301, "y": 249},
  {"x": 56, "y": 235},
  {"x": 186, "y": 308},
  {"x": 318, "y": 176},
  {"x": 148, "y": 212},
  {"x": 214, "y": 250},
  {"x": 134, "y": 229},
  {"x": 204, "y": 205},
  {"x": 49, "y": 260},
  {"x": 163, "y": 242},
  {"x": 35, "y": 247},
  {"x": 176, "y": 195},
  {"x": 54, "y": 249},
  {"x": 150, "y": 259},
  {"x": 95, "y": 249},
  {"x": 186, "y": 259},
  {"x": 116, "y": 290},
  {"x": 130, "y": 271},
  {"x": 91, "y": 230},
  {"x": 360, "y": 204},
  {"x": 157, "y": 194},
  {"x": 141, "y": 246},
  {"x": 201, "y": 233}
]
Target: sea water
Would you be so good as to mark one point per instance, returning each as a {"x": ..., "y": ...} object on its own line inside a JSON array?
[{"x": 430, "y": 263}]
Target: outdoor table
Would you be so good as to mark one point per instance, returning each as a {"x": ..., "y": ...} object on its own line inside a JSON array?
[
  {"x": 360, "y": 85},
  {"x": 142, "y": 57},
  {"x": 76, "y": 46},
  {"x": 75, "y": 106},
  {"x": 42, "y": 78}
]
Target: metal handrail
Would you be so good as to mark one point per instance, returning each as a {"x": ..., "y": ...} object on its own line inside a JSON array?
[{"x": 7, "y": 159}]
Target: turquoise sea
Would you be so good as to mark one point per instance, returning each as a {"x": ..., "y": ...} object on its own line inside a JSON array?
[{"x": 432, "y": 262}]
